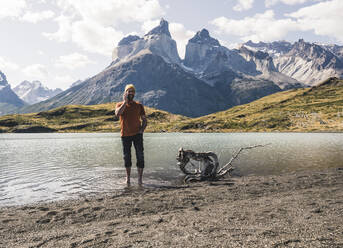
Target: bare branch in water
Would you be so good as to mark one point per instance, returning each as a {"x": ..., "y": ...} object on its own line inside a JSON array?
[{"x": 210, "y": 169}]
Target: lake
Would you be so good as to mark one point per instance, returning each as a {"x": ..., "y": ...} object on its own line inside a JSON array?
[{"x": 48, "y": 167}]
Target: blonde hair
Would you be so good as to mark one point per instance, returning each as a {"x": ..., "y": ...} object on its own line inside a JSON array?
[{"x": 129, "y": 86}]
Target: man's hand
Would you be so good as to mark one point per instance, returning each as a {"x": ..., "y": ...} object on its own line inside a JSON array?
[
  {"x": 119, "y": 111},
  {"x": 125, "y": 97}
]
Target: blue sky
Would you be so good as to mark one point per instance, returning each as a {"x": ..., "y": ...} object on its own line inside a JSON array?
[{"x": 61, "y": 41}]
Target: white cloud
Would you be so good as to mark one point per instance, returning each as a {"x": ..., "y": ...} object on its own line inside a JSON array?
[
  {"x": 109, "y": 12},
  {"x": 6, "y": 65},
  {"x": 12, "y": 8},
  {"x": 150, "y": 24},
  {"x": 270, "y": 3},
  {"x": 181, "y": 35},
  {"x": 73, "y": 61},
  {"x": 64, "y": 32},
  {"x": 243, "y": 5},
  {"x": 95, "y": 38},
  {"x": 260, "y": 27},
  {"x": 35, "y": 17},
  {"x": 36, "y": 72},
  {"x": 93, "y": 25},
  {"x": 323, "y": 18},
  {"x": 90, "y": 36},
  {"x": 63, "y": 81},
  {"x": 229, "y": 45}
]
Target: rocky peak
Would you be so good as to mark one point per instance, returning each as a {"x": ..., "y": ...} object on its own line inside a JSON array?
[
  {"x": 128, "y": 39},
  {"x": 257, "y": 54},
  {"x": 335, "y": 49},
  {"x": 203, "y": 37},
  {"x": 3, "y": 80},
  {"x": 35, "y": 91},
  {"x": 201, "y": 50},
  {"x": 158, "y": 41},
  {"x": 322, "y": 58},
  {"x": 275, "y": 48},
  {"x": 302, "y": 46},
  {"x": 163, "y": 28},
  {"x": 9, "y": 101},
  {"x": 30, "y": 85},
  {"x": 306, "y": 47},
  {"x": 264, "y": 62}
]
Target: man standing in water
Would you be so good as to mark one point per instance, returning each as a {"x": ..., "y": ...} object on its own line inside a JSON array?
[{"x": 132, "y": 123}]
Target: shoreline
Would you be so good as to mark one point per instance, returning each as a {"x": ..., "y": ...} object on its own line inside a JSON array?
[
  {"x": 188, "y": 131},
  {"x": 299, "y": 209}
]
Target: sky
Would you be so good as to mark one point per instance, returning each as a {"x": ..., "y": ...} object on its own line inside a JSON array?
[{"x": 61, "y": 41}]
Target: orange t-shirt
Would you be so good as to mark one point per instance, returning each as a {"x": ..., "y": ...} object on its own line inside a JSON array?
[{"x": 130, "y": 121}]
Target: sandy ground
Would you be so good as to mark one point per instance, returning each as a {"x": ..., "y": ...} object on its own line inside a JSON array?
[{"x": 293, "y": 210}]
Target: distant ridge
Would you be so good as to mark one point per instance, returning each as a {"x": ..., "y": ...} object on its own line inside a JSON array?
[{"x": 315, "y": 109}]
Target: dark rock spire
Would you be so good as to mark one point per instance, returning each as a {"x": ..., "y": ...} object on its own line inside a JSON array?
[
  {"x": 163, "y": 28},
  {"x": 203, "y": 37}
]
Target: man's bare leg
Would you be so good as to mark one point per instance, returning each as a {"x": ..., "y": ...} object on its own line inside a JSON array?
[
  {"x": 140, "y": 176},
  {"x": 128, "y": 175}
]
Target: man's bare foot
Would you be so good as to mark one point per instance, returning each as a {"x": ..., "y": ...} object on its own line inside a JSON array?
[
  {"x": 128, "y": 183},
  {"x": 140, "y": 183}
]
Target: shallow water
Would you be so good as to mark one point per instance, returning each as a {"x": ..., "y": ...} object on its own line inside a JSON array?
[{"x": 45, "y": 167}]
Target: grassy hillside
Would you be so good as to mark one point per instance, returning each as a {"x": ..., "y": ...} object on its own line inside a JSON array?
[
  {"x": 79, "y": 118},
  {"x": 312, "y": 109}
]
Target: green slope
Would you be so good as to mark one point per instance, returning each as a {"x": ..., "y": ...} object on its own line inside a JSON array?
[{"x": 312, "y": 109}]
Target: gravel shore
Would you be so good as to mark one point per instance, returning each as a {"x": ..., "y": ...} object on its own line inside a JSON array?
[{"x": 302, "y": 209}]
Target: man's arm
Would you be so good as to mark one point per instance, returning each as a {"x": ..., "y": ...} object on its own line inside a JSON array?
[
  {"x": 120, "y": 110},
  {"x": 144, "y": 123}
]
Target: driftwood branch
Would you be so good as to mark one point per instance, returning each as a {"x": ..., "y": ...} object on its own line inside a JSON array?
[
  {"x": 229, "y": 167},
  {"x": 208, "y": 168}
]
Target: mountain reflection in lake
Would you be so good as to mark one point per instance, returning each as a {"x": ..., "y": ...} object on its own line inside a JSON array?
[{"x": 44, "y": 167}]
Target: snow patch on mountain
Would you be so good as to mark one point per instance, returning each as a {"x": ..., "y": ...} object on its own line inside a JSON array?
[{"x": 33, "y": 92}]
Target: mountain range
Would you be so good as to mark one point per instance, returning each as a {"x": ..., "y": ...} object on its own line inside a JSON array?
[
  {"x": 306, "y": 62},
  {"x": 209, "y": 79},
  {"x": 33, "y": 92}
]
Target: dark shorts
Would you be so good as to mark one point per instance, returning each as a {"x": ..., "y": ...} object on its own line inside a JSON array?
[{"x": 137, "y": 141}]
